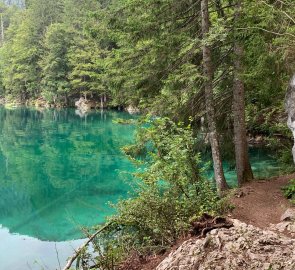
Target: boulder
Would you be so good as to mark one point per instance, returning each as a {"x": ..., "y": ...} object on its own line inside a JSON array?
[
  {"x": 132, "y": 110},
  {"x": 85, "y": 105}
]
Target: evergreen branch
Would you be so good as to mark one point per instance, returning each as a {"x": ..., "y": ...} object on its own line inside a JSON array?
[
  {"x": 282, "y": 11},
  {"x": 267, "y": 31}
]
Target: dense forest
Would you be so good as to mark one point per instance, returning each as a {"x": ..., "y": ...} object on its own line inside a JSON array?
[
  {"x": 222, "y": 65},
  {"x": 145, "y": 53},
  {"x": 178, "y": 59}
]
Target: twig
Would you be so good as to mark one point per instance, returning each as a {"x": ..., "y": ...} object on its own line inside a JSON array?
[
  {"x": 75, "y": 256},
  {"x": 57, "y": 256},
  {"x": 268, "y": 31}
]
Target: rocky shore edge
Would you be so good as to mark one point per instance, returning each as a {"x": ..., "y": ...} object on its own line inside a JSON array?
[{"x": 242, "y": 247}]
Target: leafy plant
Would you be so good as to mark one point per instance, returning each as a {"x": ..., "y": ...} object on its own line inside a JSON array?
[
  {"x": 169, "y": 193},
  {"x": 289, "y": 190},
  {"x": 170, "y": 188}
]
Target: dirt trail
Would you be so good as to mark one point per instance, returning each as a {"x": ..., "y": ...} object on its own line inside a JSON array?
[
  {"x": 262, "y": 202},
  {"x": 259, "y": 203}
]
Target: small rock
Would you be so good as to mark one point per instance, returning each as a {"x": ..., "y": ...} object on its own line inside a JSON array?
[
  {"x": 239, "y": 194},
  {"x": 281, "y": 227},
  {"x": 289, "y": 215},
  {"x": 291, "y": 227},
  {"x": 266, "y": 266}
]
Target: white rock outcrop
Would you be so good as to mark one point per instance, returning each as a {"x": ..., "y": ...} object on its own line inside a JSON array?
[
  {"x": 242, "y": 247},
  {"x": 132, "y": 110},
  {"x": 287, "y": 223},
  {"x": 85, "y": 105}
]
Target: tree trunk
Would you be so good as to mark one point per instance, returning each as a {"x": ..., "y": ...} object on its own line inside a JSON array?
[
  {"x": 290, "y": 108},
  {"x": 101, "y": 102},
  {"x": 2, "y": 30},
  {"x": 209, "y": 101},
  {"x": 243, "y": 167}
]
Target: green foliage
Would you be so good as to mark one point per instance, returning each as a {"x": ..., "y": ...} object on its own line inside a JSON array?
[
  {"x": 289, "y": 191},
  {"x": 86, "y": 67},
  {"x": 154, "y": 60},
  {"x": 170, "y": 190},
  {"x": 281, "y": 148},
  {"x": 48, "y": 53},
  {"x": 169, "y": 193},
  {"x": 19, "y": 59},
  {"x": 271, "y": 123},
  {"x": 147, "y": 54},
  {"x": 22, "y": 52},
  {"x": 84, "y": 53},
  {"x": 124, "y": 121},
  {"x": 54, "y": 64}
]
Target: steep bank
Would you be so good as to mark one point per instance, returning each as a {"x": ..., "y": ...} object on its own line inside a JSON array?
[
  {"x": 265, "y": 241},
  {"x": 262, "y": 238}
]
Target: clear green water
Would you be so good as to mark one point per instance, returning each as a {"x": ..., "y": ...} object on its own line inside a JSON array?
[
  {"x": 263, "y": 164},
  {"x": 58, "y": 170}
]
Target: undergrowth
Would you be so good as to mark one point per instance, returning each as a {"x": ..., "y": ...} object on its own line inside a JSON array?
[
  {"x": 289, "y": 191},
  {"x": 169, "y": 193}
]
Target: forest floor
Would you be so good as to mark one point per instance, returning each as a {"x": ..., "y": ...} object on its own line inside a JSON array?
[{"x": 259, "y": 203}]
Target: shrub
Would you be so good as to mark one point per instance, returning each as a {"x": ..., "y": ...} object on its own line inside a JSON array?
[
  {"x": 289, "y": 191},
  {"x": 169, "y": 193}
]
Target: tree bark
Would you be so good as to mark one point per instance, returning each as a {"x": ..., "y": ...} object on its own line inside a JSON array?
[
  {"x": 209, "y": 101},
  {"x": 2, "y": 30},
  {"x": 290, "y": 108},
  {"x": 243, "y": 167}
]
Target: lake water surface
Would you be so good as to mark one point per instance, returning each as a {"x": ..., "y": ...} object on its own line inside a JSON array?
[{"x": 58, "y": 171}]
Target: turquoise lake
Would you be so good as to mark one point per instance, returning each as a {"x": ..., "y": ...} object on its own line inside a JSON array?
[{"x": 58, "y": 171}]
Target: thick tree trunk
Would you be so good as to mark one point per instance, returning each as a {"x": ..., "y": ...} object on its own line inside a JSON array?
[
  {"x": 290, "y": 108},
  {"x": 243, "y": 167},
  {"x": 209, "y": 73}
]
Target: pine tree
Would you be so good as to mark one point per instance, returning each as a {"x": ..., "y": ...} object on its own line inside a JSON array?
[
  {"x": 209, "y": 73},
  {"x": 243, "y": 167},
  {"x": 55, "y": 65}
]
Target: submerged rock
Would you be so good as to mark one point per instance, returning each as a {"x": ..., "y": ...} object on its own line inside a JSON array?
[
  {"x": 240, "y": 247},
  {"x": 290, "y": 107}
]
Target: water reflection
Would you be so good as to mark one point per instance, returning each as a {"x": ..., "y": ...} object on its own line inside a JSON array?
[
  {"x": 58, "y": 170},
  {"x": 27, "y": 253}
]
